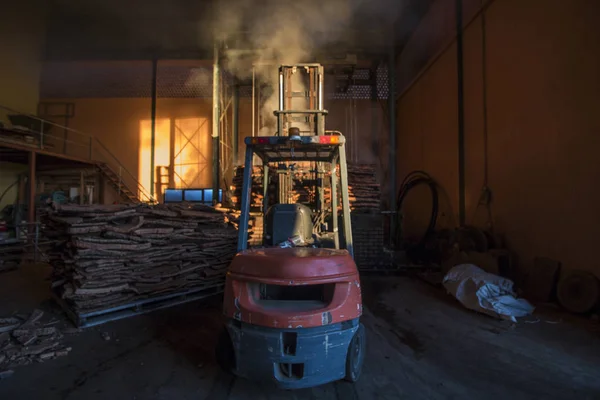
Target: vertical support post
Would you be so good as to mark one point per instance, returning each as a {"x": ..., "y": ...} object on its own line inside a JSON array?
[
  {"x": 253, "y": 98},
  {"x": 281, "y": 90},
  {"x": 320, "y": 97},
  {"x": 265, "y": 187},
  {"x": 312, "y": 100},
  {"x": 81, "y": 187},
  {"x": 320, "y": 105},
  {"x": 461, "y": 113},
  {"x": 281, "y": 189},
  {"x": 311, "y": 89},
  {"x": 265, "y": 194},
  {"x": 235, "y": 122},
  {"x": 392, "y": 137},
  {"x": 334, "y": 205},
  {"x": 36, "y": 242},
  {"x": 31, "y": 187},
  {"x": 281, "y": 104},
  {"x": 258, "y": 108},
  {"x": 158, "y": 184},
  {"x": 320, "y": 186},
  {"x": 153, "y": 126},
  {"x": 172, "y": 132},
  {"x": 215, "y": 124},
  {"x": 42, "y": 134},
  {"x": 280, "y": 125},
  {"x": 246, "y": 199},
  {"x": 346, "y": 201}
]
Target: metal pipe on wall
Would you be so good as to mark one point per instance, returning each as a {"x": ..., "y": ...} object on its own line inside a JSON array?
[
  {"x": 215, "y": 124},
  {"x": 153, "y": 125},
  {"x": 461, "y": 113}
]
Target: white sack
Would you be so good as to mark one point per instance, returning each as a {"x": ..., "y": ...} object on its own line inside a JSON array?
[{"x": 485, "y": 292}]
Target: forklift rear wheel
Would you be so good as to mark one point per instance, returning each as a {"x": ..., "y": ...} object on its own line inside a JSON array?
[
  {"x": 356, "y": 355},
  {"x": 224, "y": 352}
]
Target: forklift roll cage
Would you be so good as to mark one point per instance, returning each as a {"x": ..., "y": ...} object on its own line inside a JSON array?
[{"x": 324, "y": 149}]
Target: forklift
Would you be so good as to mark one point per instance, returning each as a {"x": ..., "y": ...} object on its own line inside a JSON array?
[{"x": 292, "y": 306}]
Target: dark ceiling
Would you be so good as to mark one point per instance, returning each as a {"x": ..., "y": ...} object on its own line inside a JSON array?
[{"x": 181, "y": 29}]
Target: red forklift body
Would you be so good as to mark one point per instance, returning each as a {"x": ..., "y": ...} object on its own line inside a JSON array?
[{"x": 293, "y": 288}]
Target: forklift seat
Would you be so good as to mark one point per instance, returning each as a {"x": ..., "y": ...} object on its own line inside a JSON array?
[{"x": 284, "y": 221}]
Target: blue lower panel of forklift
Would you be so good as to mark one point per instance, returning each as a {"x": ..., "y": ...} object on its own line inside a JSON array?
[{"x": 291, "y": 358}]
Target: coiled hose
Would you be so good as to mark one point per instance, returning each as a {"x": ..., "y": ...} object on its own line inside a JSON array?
[{"x": 413, "y": 179}]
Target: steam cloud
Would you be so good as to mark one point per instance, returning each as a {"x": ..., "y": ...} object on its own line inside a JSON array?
[{"x": 289, "y": 32}]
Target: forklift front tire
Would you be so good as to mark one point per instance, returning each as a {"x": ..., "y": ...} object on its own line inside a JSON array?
[{"x": 356, "y": 355}]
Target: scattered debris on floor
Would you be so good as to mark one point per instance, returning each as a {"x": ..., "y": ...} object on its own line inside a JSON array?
[
  {"x": 485, "y": 292},
  {"x": 117, "y": 254},
  {"x": 24, "y": 340}
]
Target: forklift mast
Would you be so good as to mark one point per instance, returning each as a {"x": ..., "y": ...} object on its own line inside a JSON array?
[
  {"x": 300, "y": 143},
  {"x": 301, "y": 100}
]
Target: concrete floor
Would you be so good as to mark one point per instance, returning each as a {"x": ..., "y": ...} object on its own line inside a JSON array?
[{"x": 421, "y": 345}]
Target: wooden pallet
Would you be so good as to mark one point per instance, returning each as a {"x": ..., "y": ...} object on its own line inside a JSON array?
[{"x": 138, "y": 307}]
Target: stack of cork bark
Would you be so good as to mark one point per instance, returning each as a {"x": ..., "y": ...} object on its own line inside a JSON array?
[
  {"x": 255, "y": 225},
  {"x": 363, "y": 189},
  {"x": 257, "y": 185},
  {"x": 111, "y": 255}
]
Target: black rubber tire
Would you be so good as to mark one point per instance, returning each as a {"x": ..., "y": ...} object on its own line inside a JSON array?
[
  {"x": 224, "y": 352},
  {"x": 356, "y": 355}
]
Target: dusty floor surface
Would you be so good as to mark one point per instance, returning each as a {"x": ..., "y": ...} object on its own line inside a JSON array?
[{"x": 421, "y": 345}]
